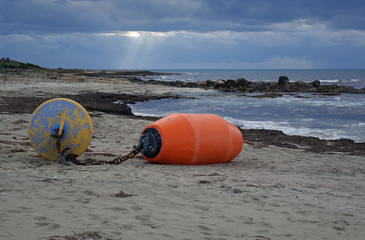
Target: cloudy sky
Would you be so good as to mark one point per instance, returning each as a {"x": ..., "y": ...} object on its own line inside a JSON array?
[{"x": 168, "y": 34}]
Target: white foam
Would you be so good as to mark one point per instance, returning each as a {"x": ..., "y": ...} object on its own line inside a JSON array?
[
  {"x": 285, "y": 127},
  {"x": 147, "y": 114},
  {"x": 329, "y": 80},
  {"x": 337, "y": 101},
  {"x": 229, "y": 107},
  {"x": 354, "y": 80}
]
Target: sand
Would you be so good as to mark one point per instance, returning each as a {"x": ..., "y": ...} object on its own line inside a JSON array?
[{"x": 267, "y": 192}]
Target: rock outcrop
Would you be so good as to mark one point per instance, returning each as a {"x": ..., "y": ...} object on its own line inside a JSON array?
[{"x": 241, "y": 84}]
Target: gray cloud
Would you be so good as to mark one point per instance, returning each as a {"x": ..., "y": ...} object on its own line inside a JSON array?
[
  {"x": 184, "y": 33},
  {"x": 61, "y": 16}
]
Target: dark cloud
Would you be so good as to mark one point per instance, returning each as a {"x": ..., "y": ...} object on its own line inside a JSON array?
[
  {"x": 184, "y": 33},
  {"x": 60, "y": 16}
]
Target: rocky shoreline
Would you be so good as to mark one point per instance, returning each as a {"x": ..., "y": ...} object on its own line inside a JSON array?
[
  {"x": 117, "y": 104},
  {"x": 245, "y": 86},
  {"x": 239, "y": 85}
]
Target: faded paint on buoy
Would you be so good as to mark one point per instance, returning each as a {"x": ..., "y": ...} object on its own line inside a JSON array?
[
  {"x": 191, "y": 139},
  {"x": 54, "y": 114}
]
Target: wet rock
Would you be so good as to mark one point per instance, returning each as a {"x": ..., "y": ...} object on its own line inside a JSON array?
[
  {"x": 242, "y": 82},
  {"x": 298, "y": 87},
  {"x": 219, "y": 83},
  {"x": 239, "y": 85},
  {"x": 283, "y": 81},
  {"x": 316, "y": 83},
  {"x": 188, "y": 84},
  {"x": 263, "y": 137},
  {"x": 205, "y": 83},
  {"x": 230, "y": 83}
]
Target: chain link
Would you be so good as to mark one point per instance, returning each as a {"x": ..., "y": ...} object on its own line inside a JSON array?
[
  {"x": 115, "y": 161},
  {"x": 132, "y": 154},
  {"x": 58, "y": 147},
  {"x": 72, "y": 157}
]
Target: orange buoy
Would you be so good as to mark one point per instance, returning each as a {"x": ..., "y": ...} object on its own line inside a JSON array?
[{"x": 191, "y": 139}]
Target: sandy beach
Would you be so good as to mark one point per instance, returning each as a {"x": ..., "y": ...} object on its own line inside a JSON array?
[{"x": 267, "y": 192}]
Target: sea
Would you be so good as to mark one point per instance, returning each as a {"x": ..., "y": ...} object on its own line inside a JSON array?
[{"x": 325, "y": 117}]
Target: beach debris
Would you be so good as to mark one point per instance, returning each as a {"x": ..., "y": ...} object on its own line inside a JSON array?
[
  {"x": 253, "y": 185},
  {"x": 207, "y": 175},
  {"x": 279, "y": 185},
  {"x": 339, "y": 228},
  {"x": 296, "y": 189},
  {"x": 51, "y": 179},
  {"x": 260, "y": 237},
  {"x": 81, "y": 236},
  {"x": 122, "y": 194},
  {"x": 204, "y": 181}
]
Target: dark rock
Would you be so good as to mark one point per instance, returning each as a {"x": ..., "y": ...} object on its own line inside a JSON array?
[
  {"x": 205, "y": 83},
  {"x": 330, "y": 90},
  {"x": 262, "y": 137},
  {"x": 242, "y": 82},
  {"x": 316, "y": 83},
  {"x": 230, "y": 83},
  {"x": 189, "y": 84},
  {"x": 239, "y": 85},
  {"x": 348, "y": 89},
  {"x": 219, "y": 83},
  {"x": 298, "y": 87},
  {"x": 283, "y": 81}
]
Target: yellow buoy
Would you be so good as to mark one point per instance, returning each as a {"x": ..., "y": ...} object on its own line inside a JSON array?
[{"x": 64, "y": 118}]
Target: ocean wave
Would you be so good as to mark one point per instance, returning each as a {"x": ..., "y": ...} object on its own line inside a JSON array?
[
  {"x": 354, "y": 80},
  {"x": 142, "y": 114},
  {"x": 287, "y": 128},
  {"x": 329, "y": 80},
  {"x": 339, "y": 81}
]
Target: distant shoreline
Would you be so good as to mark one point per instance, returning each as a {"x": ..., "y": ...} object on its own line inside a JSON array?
[{"x": 241, "y": 85}]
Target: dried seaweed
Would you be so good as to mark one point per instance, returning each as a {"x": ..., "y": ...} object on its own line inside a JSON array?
[
  {"x": 122, "y": 194},
  {"x": 81, "y": 236}
]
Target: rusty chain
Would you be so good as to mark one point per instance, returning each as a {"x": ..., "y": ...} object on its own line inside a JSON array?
[
  {"x": 58, "y": 147},
  {"x": 115, "y": 161},
  {"x": 72, "y": 157}
]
